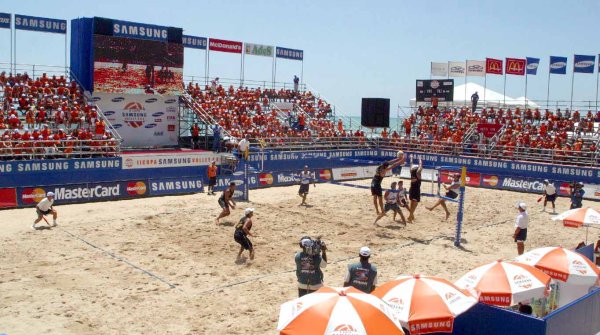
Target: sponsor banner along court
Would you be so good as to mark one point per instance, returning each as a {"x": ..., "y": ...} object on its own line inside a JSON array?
[
  {"x": 176, "y": 185},
  {"x": 169, "y": 160}
]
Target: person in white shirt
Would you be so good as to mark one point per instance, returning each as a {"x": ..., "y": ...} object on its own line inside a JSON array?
[
  {"x": 521, "y": 224},
  {"x": 243, "y": 147},
  {"x": 44, "y": 207},
  {"x": 305, "y": 178},
  {"x": 549, "y": 195}
]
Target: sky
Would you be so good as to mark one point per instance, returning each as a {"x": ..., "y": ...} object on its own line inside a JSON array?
[{"x": 352, "y": 49}]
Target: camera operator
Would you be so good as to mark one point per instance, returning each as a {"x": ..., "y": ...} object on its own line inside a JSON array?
[{"x": 309, "y": 262}]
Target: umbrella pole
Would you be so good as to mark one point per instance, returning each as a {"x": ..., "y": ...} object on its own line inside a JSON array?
[{"x": 586, "y": 234}]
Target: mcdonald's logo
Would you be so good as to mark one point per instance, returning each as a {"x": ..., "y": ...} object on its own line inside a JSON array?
[
  {"x": 515, "y": 66},
  {"x": 493, "y": 66}
]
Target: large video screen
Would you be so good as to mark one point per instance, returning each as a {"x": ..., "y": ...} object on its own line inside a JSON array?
[{"x": 137, "y": 66}]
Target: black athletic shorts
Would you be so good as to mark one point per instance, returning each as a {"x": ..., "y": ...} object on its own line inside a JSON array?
[
  {"x": 303, "y": 189},
  {"x": 451, "y": 194},
  {"x": 521, "y": 236},
  {"x": 242, "y": 239},
  {"x": 212, "y": 181},
  {"x": 40, "y": 213},
  {"x": 376, "y": 190},
  {"x": 551, "y": 197},
  {"x": 414, "y": 195},
  {"x": 223, "y": 204}
]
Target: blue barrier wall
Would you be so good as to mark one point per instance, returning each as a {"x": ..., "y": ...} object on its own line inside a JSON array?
[
  {"x": 581, "y": 317},
  {"x": 483, "y": 319}
]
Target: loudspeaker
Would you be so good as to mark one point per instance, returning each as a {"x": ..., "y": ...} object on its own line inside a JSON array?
[{"x": 375, "y": 112}]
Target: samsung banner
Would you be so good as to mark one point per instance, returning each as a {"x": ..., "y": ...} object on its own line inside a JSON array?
[
  {"x": 5, "y": 20},
  {"x": 141, "y": 120},
  {"x": 532, "y": 65},
  {"x": 194, "y": 42},
  {"x": 139, "y": 30},
  {"x": 24, "y": 22},
  {"x": 558, "y": 65},
  {"x": 584, "y": 64},
  {"x": 289, "y": 53},
  {"x": 175, "y": 159}
]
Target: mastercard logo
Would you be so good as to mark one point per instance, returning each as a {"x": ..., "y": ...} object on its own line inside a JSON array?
[
  {"x": 325, "y": 174},
  {"x": 490, "y": 180},
  {"x": 265, "y": 179},
  {"x": 136, "y": 188},
  {"x": 33, "y": 195}
]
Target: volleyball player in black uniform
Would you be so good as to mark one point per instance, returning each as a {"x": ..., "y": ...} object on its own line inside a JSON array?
[
  {"x": 414, "y": 192},
  {"x": 376, "y": 190},
  {"x": 226, "y": 201}
]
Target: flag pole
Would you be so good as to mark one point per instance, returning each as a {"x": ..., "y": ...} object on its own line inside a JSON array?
[
  {"x": 11, "y": 44},
  {"x": 242, "y": 67},
  {"x": 484, "y": 89},
  {"x": 526, "y": 75},
  {"x": 466, "y": 84},
  {"x": 572, "y": 85},
  {"x": 597, "y": 77},
  {"x": 548, "y": 92},
  {"x": 504, "y": 103}
]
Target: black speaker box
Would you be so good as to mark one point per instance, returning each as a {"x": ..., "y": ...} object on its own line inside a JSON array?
[{"x": 375, "y": 113}]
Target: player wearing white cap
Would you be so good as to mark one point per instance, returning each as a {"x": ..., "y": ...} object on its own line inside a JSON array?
[
  {"x": 362, "y": 275},
  {"x": 242, "y": 231},
  {"x": 521, "y": 224},
  {"x": 44, "y": 207},
  {"x": 549, "y": 195},
  {"x": 305, "y": 178}
]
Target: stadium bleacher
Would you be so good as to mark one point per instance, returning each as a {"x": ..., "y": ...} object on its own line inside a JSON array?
[{"x": 49, "y": 117}]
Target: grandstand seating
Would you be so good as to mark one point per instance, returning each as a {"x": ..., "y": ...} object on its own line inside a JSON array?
[
  {"x": 251, "y": 111},
  {"x": 560, "y": 137},
  {"x": 48, "y": 117}
]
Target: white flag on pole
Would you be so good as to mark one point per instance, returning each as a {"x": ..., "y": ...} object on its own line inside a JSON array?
[
  {"x": 439, "y": 69},
  {"x": 457, "y": 69},
  {"x": 475, "y": 68}
]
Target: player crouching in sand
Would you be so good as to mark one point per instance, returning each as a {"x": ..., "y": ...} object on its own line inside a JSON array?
[
  {"x": 392, "y": 201},
  {"x": 242, "y": 231},
  {"x": 44, "y": 207}
]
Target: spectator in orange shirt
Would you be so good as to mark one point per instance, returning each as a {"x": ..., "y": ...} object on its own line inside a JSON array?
[{"x": 212, "y": 177}]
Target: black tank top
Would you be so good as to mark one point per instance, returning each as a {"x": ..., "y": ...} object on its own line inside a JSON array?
[
  {"x": 415, "y": 180},
  {"x": 377, "y": 178},
  {"x": 223, "y": 195},
  {"x": 240, "y": 225}
]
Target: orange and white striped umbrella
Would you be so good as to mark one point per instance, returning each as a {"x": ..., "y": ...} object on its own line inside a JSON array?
[
  {"x": 425, "y": 304},
  {"x": 563, "y": 264},
  {"x": 579, "y": 217},
  {"x": 503, "y": 283},
  {"x": 338, "y": 311}
]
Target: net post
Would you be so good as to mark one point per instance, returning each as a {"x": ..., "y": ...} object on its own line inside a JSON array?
[
  {"x": 461, "y": 203},
  {"x": 246, "y": 180}
]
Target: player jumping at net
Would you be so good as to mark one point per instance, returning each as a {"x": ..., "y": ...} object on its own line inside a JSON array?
[
  {"x": 392, "y": 201},
  {"x": 226, "y": 201},
  {"x": 45, "y": 207},
  {"x": 305, "y": 178},
  {"x": 376, "y": 190},
  {"x": 414, "y": 192},
  {"x": 451, "y": 192}
]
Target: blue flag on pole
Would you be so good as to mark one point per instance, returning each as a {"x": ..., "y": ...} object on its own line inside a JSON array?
[
  {"x": 532, "y": 65},
  {"x": 5, "y": 20},
  {"x": 558, "y": 65},
  {"x": 584, "y": 64}
]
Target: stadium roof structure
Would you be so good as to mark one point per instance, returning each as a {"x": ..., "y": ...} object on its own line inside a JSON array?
[{"x": 491, "y": 97}]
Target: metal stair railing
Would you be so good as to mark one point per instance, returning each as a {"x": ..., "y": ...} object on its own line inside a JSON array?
[
  {"x": 281, "y": 115},
  {"x": 202, "y": 114},
  {"x": 494, "y": 139}
]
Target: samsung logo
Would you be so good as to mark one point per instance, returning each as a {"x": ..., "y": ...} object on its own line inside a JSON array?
[
  {"x": 151, "y": 100},
  {"x": 139, "y": 30},
  {"x": 109, "y": 113},
  {"x": 158, "y": 114},
  {"x": 40, "y": 23},
  {"x": 558, "y": 65},
  {"x": 532, "y": 66},
  {"x": 151, "y": 125},
  {"x": 117, "y": 99},
  {"x": 585, "y": 63}
]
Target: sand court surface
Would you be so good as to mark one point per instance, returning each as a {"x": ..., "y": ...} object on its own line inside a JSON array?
[{"x": 162, "y": 266}]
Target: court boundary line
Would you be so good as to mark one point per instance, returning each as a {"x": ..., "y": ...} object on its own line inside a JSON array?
[{"x": 121, "y": 259}]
